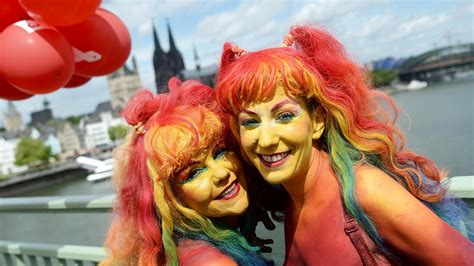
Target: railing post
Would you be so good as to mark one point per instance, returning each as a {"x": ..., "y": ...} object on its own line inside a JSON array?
[
  {"x": 19, "y": 260},
  {"x": 8, "y": 259},
  {"x": 33, "y": 261},
  {"x": 47, "y": 261}
]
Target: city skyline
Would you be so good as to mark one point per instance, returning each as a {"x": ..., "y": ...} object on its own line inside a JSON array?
[{"x": 370, "y": 30}]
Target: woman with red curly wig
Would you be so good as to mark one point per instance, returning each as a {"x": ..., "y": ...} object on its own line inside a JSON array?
[
  {"x": 181, "y": 192},
  {"x": 307, "y": 119}
]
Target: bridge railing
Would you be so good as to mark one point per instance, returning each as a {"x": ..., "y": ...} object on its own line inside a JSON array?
[{"x": 21, "y": 253}]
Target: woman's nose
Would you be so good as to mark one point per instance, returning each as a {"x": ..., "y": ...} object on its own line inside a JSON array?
[
  {"x": 267, "y": 137},
  {"x": 220, "y": 173}
]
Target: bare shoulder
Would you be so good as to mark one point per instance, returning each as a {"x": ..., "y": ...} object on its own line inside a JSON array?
[
  {"x": 198, "y": 252},
  {"x": 407, "y": 224},
  {"x": 374, "y": 188}
]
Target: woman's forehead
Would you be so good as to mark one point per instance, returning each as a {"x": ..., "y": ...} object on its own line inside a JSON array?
[{"x": 280, "y": 95}]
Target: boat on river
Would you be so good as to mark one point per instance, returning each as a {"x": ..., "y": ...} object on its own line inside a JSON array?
[
  {"x": 413, "y": 85},
  {"x": 100, "y": 169}
]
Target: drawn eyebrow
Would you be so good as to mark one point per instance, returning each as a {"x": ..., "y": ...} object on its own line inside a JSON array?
[
  {"x": 280, "y": 104},
  {"x": 248, "y": 112}
]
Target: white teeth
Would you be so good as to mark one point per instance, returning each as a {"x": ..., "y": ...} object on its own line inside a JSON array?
[
  {"x": 274, "y": 158},
  {"x": 228, "y": 190}
]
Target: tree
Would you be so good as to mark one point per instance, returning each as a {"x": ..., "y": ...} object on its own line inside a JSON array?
[
  {"x": 32, "y": 152},
  {"x": 382, "y": 77},
  {"x": 117, "y": 133},
  {"x": 74, "y": 119}
]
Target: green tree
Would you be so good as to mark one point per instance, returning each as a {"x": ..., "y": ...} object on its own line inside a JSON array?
[
  {"x": 117, "y": 133},
  {"x": 32, "y": 152},
  {"x": 382, "y": 77},
  {"x": 74, "y": 119}
]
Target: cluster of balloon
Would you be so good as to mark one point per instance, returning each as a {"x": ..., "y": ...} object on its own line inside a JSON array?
[{"x": 49, "y": 44}]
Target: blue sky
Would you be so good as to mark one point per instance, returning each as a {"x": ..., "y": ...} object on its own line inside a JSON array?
[{"x": 370, "y": 30}]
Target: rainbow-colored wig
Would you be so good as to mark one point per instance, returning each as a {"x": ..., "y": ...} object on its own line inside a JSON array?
[
  {"x": 357, "y": 129},
  {"x": 150, "y": 218}
]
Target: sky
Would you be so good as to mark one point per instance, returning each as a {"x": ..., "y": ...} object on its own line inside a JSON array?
[{"x": 369, "y": 30}]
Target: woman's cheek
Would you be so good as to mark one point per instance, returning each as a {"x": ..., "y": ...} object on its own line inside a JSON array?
[{"x": 197, "y": 194}]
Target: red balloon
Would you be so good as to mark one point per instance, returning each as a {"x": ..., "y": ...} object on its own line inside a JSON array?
[
  {"x": 60, "y": 12},
  {"x": 37, "y": 59},
  {"x": 10, "y": 12},
  {"x": 77, "y": 81},
  {"x": 101, "y": 43},
  {"x": 8, "y": 92}
]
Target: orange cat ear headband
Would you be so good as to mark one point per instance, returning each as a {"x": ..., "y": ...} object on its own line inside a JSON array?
[
  {"x": 287, "y": 42},
  {"x": 139, "y": 128}
]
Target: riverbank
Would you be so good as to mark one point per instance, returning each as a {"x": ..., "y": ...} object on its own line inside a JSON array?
[{"x": 30, "y": 182}]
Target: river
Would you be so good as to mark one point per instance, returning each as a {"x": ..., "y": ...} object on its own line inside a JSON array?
[{"x": 438, "y": 122}]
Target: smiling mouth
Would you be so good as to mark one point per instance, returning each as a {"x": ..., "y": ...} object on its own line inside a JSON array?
[
  {"x": 274, "y": 160},
  {"x": 229, "y": 192}
]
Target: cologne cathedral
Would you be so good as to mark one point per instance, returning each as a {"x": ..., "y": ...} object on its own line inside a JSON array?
[
  {"x": 171, "y": 64},
  {"x": 166, "y": 64}
]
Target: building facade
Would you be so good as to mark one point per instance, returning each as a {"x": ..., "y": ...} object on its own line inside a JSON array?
[
  {"x": 96, "y": 126},
  {"x": 123, "y": 84},
  {"x": 40, "y": 118},
  {"x": 69, "y": 139},
  {"x": 7, "y": 157},
  {"x": 12, "y": 119}
]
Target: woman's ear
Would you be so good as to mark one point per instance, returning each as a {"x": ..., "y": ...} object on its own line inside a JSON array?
[{"x": 318, "y": 122}]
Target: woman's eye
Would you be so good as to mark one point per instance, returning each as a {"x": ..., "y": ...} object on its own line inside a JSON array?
[
  {"x": 192, "y": 174},
  {"x": 285, "y": 116},
  {"x": 220, "y": 153},
  {"x": 250, "y": 122}
]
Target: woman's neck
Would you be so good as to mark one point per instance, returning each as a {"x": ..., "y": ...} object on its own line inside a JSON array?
[{"x": 318, "y": 183}]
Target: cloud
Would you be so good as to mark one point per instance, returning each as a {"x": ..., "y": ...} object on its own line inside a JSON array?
[
  {"x": 376, "y": 26},
  {"x": 416, "y": 25},
  {"x": 137, "y": 13},
  {"x": 146, "y": 28},
  {"x": 239, "y": 23},
  {"x": 323, "y": 11}
]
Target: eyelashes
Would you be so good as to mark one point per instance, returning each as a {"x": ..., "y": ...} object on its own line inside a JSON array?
[
  {"x": 250, "y": 122},
  {"x": 220, "y": 152},
  {"x": 193, "y": 173},
  {"x": 285, "y": 116}
]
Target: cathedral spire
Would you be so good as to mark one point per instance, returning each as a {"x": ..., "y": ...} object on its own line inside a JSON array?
[
  {"x": 196, "y": 58},
  {"x": 170, "y": 37},
  {"x": 156, "y": 41}
]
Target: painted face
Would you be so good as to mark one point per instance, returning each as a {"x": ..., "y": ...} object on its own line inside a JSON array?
[
  {"x": 214, "y": 184},
  {"x": 277, "y": 136}
]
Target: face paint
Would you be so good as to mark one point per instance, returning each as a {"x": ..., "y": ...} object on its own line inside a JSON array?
[
  {"x": 277, "y": 136},
  {"x": 214, "y": 184}
]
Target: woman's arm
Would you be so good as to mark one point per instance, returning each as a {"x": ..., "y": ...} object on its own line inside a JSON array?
[{"x": 406, "y": 224}]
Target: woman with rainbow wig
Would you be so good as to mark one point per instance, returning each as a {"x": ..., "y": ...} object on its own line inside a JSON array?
[
  {"x": 181, "y": 192},
  {"x": 307, "y": 119}
]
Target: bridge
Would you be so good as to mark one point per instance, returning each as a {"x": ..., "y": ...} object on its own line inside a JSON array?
[
  {"x": 438, "y": 64},
  {"x": 14, "y": 253}
]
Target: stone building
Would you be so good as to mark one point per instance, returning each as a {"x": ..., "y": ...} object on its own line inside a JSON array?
[
  {"x": 68, "y": 138},
  {"x": 123, "y": 85},
  {"x": 206, "y": 75},
  {"x": 12, "y": 119},
  {"x": 42, "y": 117}
]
